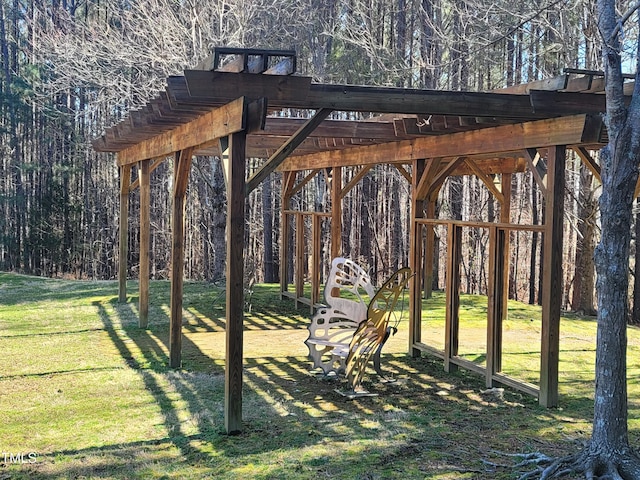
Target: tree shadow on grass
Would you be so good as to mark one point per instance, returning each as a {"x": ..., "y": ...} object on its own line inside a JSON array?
[{"x": 295, "y": 424}]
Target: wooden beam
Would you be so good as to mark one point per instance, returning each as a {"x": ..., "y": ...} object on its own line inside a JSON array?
[
  {"x": 235, "y": 283},
  {"x": 295, "y": 189},
  {"x": 552, "y": 278},
  {"x": 415, "y": 259},
  {"x": 288, "y": 181},
  {"x": 589, "y": 162},
  {"x": 442, "y": 175},
  {"x": 403, "y": 172},
  {"x": 286, "y": 149},
  {"x": 145, "y": 242},
  {"x": 200, "y": 132},
  {"x": 181, "y": 168},
  {"x": 430, "y": 240},
  {"x": 125, "y": 178},
  {"x": 573, "y": 130},
  {"x": 452, "y": 308},
  {"x": 154, "y": 164},
  {"x": 316, "y": 231},
  {"x": 551, "y": 84},
  {"x": 362, "y": 171},
  {"x": 299, "y": 92},
  {"x": 488, "y": 181},
  {"x": 300, "y": 263},
  {"x": 426, "y": 179},
  {"x": 534, "y": 160},
  {"x": 336, "y": 212},
  {"x": 495, "y": 309}
]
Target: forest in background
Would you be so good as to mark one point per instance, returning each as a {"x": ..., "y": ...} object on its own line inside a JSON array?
[{"x": 69, "y": 68}]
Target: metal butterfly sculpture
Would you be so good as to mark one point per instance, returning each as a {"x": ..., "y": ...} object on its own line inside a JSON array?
[{"x": 373, "y": 332}]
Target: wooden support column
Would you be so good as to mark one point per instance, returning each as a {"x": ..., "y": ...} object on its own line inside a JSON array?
[
  {"x": 315, "y": 260},
  {"x": 415, "y": 259},
  {"x": 552, "y": 279},
  {"x": 452, "y": 320},
  {"x": 181, "y": 167},
  {"x": 336, "y": 212},
  {"x": 145, "y": 241},
  {"x": 235, "y": 282},
  {"x": 495, "y": 314},
  {"x": 125, "y": 180},
  {"x": 430, "y": 241},
  {"x": 504, "y": 245},
  {"x": 288, "y": 180},
  {"x": 300, "y": 263}
]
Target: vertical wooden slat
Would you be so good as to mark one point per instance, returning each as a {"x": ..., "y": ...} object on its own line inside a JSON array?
[
  {"x": 505, "y": 217},
  {"x": 452, "y": 320},
  {"x": 336, "y": 212},
  {"x": 552, "y": 281},
  {"x": 182, "y": 165},
  {"x": 235, "y": 282},
  {"x": 299, "y": 277},
  {"x": 315, "y": 260},
  {"x": 288, "y": 180},
  {"x": 125, "y": 180},
  {"x": 415, "y": 259},
  {"x": 430, "y": 240},
  {"x": 145, "y": 242},
  {"x": 495, "y": 314}
]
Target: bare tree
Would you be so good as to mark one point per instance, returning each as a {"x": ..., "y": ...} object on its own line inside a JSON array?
[{"x": 608, "y": 454}]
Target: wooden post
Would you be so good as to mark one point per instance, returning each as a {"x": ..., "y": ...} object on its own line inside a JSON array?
[
  {"x": 430, "y": 212},
  {"x": 288, "y": 179},
  {"x": 336, "y": 212},
  {"x": 505, "y": 217},
  {"x": 145, "y": 242},
  {"x": 552, "y": 281},
  {"x": 125, "y": 180},
  {"x": 452, "y": 320},
  {"x": 181, "y": 169},
  {"x": 315, "y": 259},
  {"x": 235, "y": 283},
  {"x": 299, "y": 276},
  {"x": 415, "y": 259},
  {"x": 495, "y": 314}
]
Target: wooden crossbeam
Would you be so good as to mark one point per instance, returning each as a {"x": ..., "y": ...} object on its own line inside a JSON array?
[
  {"x": 299, "y": 92},
  {"x": 286, "y": 149},
  {"x": 573, "y": 130}
]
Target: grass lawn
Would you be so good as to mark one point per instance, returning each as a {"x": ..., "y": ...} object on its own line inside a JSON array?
[{"x": 86, "y": 394}]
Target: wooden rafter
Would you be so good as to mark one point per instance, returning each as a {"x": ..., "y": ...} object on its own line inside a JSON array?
[{"x": 204, "y": 130}]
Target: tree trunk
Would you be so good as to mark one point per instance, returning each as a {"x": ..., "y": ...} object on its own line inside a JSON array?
[{"x": 609, "y": 447}]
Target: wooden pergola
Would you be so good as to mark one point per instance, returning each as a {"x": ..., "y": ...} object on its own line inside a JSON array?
[{"x": 229, "y": 111}]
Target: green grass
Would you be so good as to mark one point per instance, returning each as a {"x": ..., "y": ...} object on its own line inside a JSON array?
[{"x": 90, "y": 394}]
